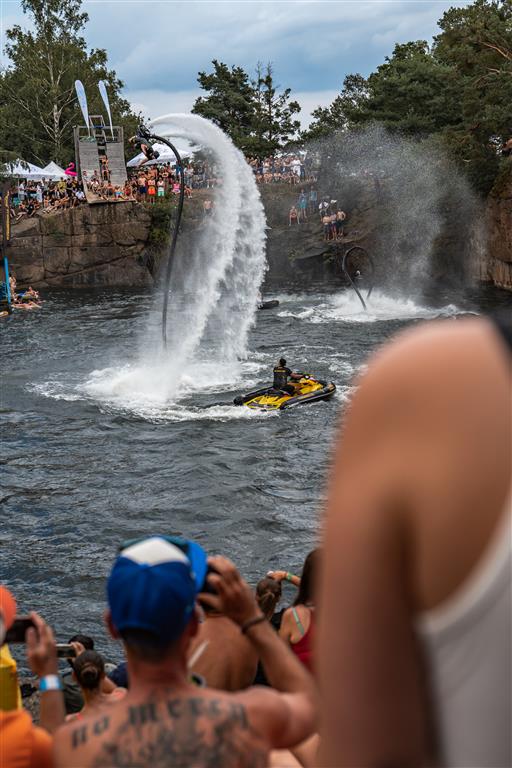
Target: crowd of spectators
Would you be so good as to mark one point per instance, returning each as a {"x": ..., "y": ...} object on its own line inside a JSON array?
[
  {"x": 213, "y": 654},
  {"x": 45, "y": 196},
  {"x": 285, "y": 168},
  {"x": 332, "y": 217}
]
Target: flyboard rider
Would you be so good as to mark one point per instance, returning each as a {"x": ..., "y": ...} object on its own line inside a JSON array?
[{"x": 140, "y": 141}]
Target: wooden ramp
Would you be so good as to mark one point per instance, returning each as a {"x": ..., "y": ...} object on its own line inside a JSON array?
[{"x": 90, "y": 146}]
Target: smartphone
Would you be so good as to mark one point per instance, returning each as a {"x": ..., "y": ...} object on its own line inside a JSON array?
[
  {"x": 65, "y": 651},
  {"x": 16, "y": 632}
]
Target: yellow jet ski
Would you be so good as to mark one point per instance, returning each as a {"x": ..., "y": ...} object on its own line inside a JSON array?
[{"x": 307, "y": 390}]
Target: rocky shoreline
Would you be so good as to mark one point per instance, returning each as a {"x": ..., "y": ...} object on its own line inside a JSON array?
[{"x": 121, "y": 245}]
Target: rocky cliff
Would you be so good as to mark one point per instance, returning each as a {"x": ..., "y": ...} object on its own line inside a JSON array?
[
  {"x": 494, "y": 264},
  {"x": 120, "y": 244},
  {"x": 84, "y": 246}
]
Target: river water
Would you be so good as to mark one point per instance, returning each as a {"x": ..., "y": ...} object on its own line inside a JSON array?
[{"x": 87, "y": 463}]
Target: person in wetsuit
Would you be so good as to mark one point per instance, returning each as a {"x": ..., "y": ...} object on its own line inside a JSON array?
[
  {"x": 146, "y": 148},
  {"x": 281, "y": 374}
]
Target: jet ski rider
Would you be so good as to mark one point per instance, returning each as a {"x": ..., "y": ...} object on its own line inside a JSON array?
[{"x": 281, "y": 374}]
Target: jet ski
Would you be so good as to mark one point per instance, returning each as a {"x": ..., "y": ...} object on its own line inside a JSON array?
[
  {"x": 307, "y": 390},
  {"x": 270, "y": 304}
]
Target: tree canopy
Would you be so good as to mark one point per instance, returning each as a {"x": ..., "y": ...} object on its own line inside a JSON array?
[
  {"x": 459, "y": 90},
  {"x": 258, "y": 117},
  {"x": 38, "y": 105}
]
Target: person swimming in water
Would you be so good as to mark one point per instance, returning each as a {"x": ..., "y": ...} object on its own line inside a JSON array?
[{"x": 281, "y": 375}]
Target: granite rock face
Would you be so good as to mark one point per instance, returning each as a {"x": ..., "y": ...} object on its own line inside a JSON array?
[
  {"x": 495, "y": 263},
  {"x": 84, "y": 246}
]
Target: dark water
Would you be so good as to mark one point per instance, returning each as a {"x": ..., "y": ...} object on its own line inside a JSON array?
[{"x": 84, "y": 468}]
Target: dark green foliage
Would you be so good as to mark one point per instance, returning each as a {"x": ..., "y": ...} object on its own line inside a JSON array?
[
  {"x": 38, "y": 106},
  {"x": 258, "y": 118},
  {"x": 459, "y": 90},
  {"x": 274, "y": 124}
]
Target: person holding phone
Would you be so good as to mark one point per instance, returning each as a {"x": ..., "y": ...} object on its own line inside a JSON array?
[
  {"x": 22, "y": 743},
  {"x": 164, "y": 719}
]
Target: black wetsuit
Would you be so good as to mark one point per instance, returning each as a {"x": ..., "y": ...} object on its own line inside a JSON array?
[{"x": 281, "y": 374}]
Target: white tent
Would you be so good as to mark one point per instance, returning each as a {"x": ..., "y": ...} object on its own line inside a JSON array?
[
  {"x": 26, "y": 171},
  {"x": 165, "y": 156},
  {"x": 54, "y": 171}
]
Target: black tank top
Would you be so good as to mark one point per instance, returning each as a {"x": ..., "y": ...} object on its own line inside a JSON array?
[{"x": 281, "y": 376}]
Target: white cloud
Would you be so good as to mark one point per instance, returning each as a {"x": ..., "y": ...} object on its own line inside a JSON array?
[{"x": 158, "y": 47}]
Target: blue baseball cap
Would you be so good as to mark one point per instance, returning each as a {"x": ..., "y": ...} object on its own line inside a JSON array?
[{"x": 154, "y": 583}]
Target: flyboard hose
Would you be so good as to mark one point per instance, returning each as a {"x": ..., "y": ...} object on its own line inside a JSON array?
[
  {"x": 346, "y": 256},
  {"x": 145, "y": 135}
]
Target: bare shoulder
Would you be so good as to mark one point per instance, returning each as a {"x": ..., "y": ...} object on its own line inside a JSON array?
[
  {"x": 267, "y": 710},
  {"x": 429, "y": 376}
]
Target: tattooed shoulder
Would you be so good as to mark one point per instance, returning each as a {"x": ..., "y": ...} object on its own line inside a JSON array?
[{"x": 181, "y": 732}]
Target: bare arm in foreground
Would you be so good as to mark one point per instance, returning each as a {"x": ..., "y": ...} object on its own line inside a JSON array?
[
  {"x": 285, "y": 718},
  {"x": 424, "y": 458}
]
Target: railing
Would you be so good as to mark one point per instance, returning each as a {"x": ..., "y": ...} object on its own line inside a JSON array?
[{"x": 85, "y": 135}]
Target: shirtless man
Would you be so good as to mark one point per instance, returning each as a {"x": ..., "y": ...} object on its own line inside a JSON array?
[
  {"x": 415, "y": 631},
  {"x": 165, "y": 720},
  {"x": 225, "y": 658}
]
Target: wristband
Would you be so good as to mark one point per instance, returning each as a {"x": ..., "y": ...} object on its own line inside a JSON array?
[
  {"x": 50, "y": 683},
  {"x": 289, "y": 576},
  {"x": 248, "y": 624}
]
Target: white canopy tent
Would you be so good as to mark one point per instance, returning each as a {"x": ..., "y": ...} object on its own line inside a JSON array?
[
  {"x": 54, "y": 171},
  {"x": 25, "y": 171},
  {"x": 165, "y": 156}
]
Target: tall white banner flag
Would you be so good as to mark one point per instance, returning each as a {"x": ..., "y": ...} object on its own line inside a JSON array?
[
  {"x": 104, "y": 96},
  {"x": 82, "y": 100}
]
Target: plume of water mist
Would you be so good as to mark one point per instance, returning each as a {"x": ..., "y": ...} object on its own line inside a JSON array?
[
  {"x": 216, "y": 273},
  {"x": 413, "y": 208}
]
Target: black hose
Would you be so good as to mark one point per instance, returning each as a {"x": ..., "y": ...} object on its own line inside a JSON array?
[
  {"x": 347, "y": 273},
  {"x": 172, "y": 247}
]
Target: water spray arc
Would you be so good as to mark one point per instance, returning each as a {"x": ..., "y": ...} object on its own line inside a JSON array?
[{"x": 145, "y": 134}]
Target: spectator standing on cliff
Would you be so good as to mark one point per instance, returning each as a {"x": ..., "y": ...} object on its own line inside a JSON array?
[
  {"x": 340, "y": 224},
  {"x": 313, "y": 200},
  {"x": 303, "y": 204},
  {"x": 326, "y": 222},
  {"x": 164, "y": 719}
]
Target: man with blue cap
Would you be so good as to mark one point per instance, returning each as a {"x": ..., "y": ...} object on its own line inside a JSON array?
[{"x": 166, "y": 720}]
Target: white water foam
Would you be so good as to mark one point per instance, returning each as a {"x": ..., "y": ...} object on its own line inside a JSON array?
[
  {"x": 213, "y": 292},
  {"x": 346, "y": 307}
]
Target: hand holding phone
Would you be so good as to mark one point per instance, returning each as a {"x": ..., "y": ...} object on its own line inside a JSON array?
[
  {"x": 18, "y": 629},
  {"x": 66, "y": 651},
  {"x": 41, "y": 648}
]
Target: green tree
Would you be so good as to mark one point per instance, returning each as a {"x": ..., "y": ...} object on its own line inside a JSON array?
[
  {"x": 476, "y": 41},
  {"x": 230, "y": 102},
  {"x": 344, "y": 110},
  {"x": 274, "y": 124},
  {"x": 37, "y": 96},
  {"x": 457, "y": 92}
]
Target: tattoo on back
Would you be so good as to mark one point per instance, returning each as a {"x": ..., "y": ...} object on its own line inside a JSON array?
[{"x": 193, "y": 732}]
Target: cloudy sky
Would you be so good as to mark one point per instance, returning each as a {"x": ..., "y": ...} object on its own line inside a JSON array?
[{"x": 157, "y": 47}]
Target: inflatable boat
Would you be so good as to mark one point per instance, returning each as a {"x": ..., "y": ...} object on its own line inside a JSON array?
[
  {"x": 307, "y": 390},
  {"x": 270, "y": 304}
]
